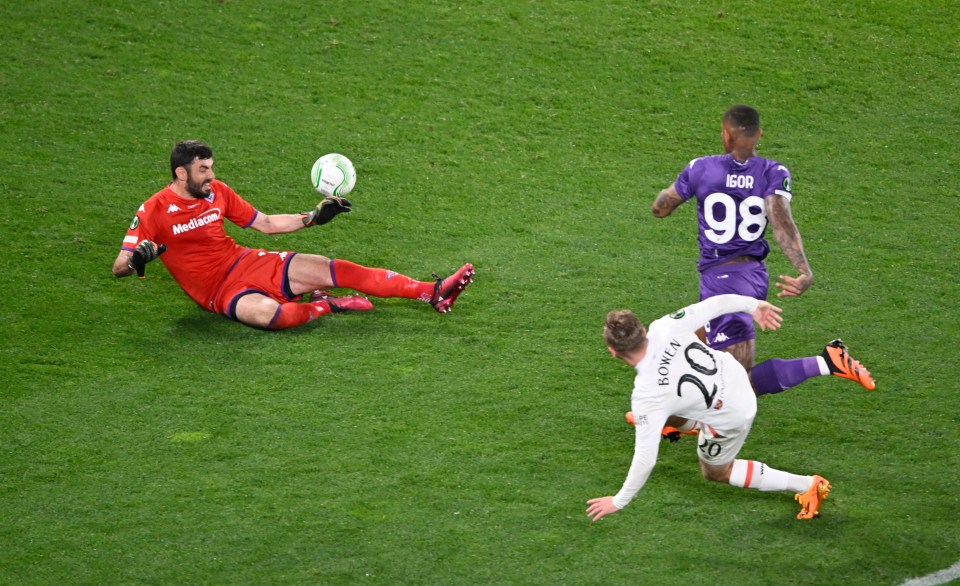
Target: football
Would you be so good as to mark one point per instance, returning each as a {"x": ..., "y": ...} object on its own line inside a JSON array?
[{"x": 333, "y": 174}]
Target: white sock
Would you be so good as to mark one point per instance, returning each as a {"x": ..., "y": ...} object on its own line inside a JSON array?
[
  {"x": 759, "y": 476},
  {"x": 822, "y": 363}
]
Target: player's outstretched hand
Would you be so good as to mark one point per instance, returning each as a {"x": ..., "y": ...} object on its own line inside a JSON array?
[
  {"x": 326, "y": 210},
  {"x": 145, "y": 252},
  {"x": 767, "y": 315},
  {"x": 601, "y": 507},
  {"x": 793, "y": 286}
]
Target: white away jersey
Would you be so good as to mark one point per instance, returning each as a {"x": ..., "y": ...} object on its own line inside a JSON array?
[{"x": 680, "y": 375}]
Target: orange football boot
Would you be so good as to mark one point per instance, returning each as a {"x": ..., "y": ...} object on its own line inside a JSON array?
[
  {"x": 843, "y": 365},
  {"x": 668, "y": 432},
  {"x": 811, "y": 500}
]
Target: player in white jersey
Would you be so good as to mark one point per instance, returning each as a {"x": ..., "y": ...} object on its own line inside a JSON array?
[{"x": 678, "y": 376}]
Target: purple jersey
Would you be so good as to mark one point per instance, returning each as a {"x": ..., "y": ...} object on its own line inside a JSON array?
[{"x": 730, "y": 205}]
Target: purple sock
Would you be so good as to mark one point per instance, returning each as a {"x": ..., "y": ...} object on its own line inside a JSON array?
[{"x": 776, "y": 375}]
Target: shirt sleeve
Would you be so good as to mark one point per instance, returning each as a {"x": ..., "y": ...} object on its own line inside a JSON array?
[
  {"x": 648, "y": 423},
  {"x": 693, "y": 317},
  {"x": 684, "y": 181},
  {"x": 138, "y": 231},
  {"x": 780, "y": 181},
  {"x": 238, "y": 210}
]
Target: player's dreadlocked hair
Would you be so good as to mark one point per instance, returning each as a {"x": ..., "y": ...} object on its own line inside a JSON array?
[
  {"x": 185, "y": 151},
  {"x": 745, "y": 118},
  {"x": 623, "y": 331}
]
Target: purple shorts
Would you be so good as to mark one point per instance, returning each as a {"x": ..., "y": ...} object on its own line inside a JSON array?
[{"x": 743, "y": 278}]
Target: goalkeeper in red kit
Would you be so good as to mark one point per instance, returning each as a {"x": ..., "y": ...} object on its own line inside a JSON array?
[{"x": 182, "y": 225}]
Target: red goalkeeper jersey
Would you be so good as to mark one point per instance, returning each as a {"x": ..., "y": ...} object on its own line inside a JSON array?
[{"x": 199, "y": 252}]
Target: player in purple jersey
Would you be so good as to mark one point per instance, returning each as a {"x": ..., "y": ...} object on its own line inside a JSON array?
[{"x": 738, "y": 194}]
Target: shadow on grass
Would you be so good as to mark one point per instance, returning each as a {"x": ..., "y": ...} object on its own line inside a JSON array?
[{"x": 203, "y": 325}]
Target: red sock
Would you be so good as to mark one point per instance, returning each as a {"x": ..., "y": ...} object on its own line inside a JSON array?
[
  {"x": 378, "y": 282},
  {"x": 293, "y": 314}
]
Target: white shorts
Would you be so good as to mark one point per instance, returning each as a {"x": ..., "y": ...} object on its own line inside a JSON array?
[{"x": 716, "y": 449}]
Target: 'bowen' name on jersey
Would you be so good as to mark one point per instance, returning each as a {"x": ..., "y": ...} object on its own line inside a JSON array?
[{"x": 664, "y": 368}]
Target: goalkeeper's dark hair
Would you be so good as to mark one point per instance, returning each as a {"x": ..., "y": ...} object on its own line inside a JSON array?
[
  {"x": 623, "y": 332},
  {"x": 184, "y": 153},
  {"x": 744, "y": 118}
]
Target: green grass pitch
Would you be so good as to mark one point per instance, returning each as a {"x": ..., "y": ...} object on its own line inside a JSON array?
[{"x": 144, "y": 441}]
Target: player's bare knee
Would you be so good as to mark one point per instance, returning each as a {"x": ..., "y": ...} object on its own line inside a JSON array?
[
  {"x": 308, "y": 272},
  {"x": 744, "y": 352},
  {"x": 256, "y": 311},
  {"x": 716, "y": 473},
  {"x": 313, "y": 259}
]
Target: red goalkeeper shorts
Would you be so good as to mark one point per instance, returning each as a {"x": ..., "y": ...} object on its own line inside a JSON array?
[{"x": 258, "y": 271}]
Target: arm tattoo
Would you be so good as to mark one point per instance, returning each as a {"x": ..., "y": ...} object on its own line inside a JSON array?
[
  {"x": 786, "y": 233},
  {"x": 667, "y": 201}
]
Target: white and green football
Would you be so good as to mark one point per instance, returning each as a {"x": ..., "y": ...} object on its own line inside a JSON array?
[{"x": 333, "y": 174}]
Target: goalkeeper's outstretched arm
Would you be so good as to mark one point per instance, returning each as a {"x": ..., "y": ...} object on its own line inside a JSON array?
[{"x": 325, "y": 211}]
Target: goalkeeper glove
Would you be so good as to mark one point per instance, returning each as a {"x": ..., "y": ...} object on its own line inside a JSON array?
[
  {"x": 326, "y": 210},
  {"x": 145, "y": 252}
]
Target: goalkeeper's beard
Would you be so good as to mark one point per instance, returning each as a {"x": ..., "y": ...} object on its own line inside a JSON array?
[{"x": 196, "y": 189}]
